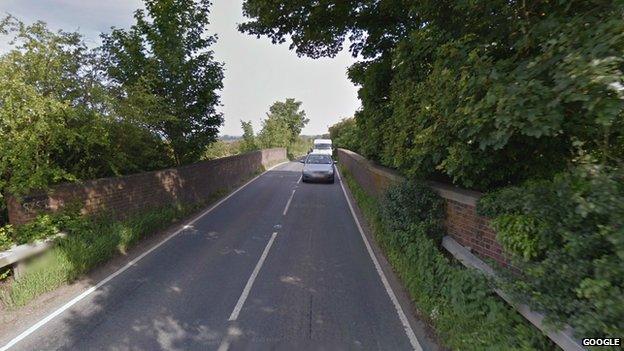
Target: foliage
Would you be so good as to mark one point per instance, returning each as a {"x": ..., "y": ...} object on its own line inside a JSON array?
[
  {"x": 299, "y": 147},
  {"x": 220, "y": 149},
  {"x": 40, "y": 102},
  {"x": 163, "y": 68},
  {"x": 567, "y": 238},
  {"x": 458, "y": 302},
  {"x": 283, "y": 124},
  {"x": 6, "y": 237},
  {"x": 344, "y": 134},
  {"x": 44, "y": 226},
  {"x": 249, "y": 139},
  {"x": 487, "y": 93},
  {"x": 90, "y": 242},
  {"x": 55, "y": 120},
  {"x": 412, "y": 207},
  {"x": 290, "y": 112},
  {"x": 274, "y": 133}
]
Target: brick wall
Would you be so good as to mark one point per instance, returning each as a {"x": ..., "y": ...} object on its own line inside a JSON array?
[
  {"x": 123, "y": 195},
  {"x": 462, "y": 221},
  {"x": 373, "y": 178}
]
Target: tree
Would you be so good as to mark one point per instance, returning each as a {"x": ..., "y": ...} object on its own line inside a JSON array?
[
  {"x": 282, "y": 125},
  {"x": 55, "y": 121},
  {"x": 163, "y": 68},
  {"x": 486, "y": 92},
  {"x": 288, "y": 111},
  {"x": 274, "y": 133},
  {"x": 249, "y": 140},
  {"x": 344, "y": 134}
]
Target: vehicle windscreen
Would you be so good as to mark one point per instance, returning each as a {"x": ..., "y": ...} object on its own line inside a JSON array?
[
  {"x": 322, "y": 146},
  {"x": 319, "y": 159}
]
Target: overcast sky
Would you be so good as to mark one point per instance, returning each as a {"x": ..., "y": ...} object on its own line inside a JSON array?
[{"x": 257, "y": 73}]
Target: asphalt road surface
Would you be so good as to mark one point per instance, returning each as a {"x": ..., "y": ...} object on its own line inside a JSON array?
[{"x": 279, "y": 265}]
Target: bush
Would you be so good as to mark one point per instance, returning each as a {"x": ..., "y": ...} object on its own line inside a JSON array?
[
  {"x": 458, "y": 302},
  {"x": 413, "y": 207},
  {"x": 45, "y": 225},
  {"x": 6, "y": 241},
  {"x": 567, "y": 237}
]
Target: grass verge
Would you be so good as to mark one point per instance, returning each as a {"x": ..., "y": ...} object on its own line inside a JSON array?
[
  {"x": 90, "y": 242},
  {"x": 458, "y": 303}
]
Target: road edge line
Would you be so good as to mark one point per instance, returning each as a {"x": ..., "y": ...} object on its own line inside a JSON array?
[
  {"x": 110, "y": 277},
  {"x": 384, "y": 280}
]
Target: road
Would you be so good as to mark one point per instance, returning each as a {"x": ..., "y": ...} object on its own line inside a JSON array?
[{"x": 278, "y": 265}]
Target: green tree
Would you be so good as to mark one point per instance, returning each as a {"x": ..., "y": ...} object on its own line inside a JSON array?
[
  {"x": 282, "y": 125},
  {"x": 249, "y": 140},
  {"x": 344, "y": 134},
  {"x": 163, "y": 68},
  {"x": 484, "y": 92},
  {"x": 274, "y": 133},
  {"x": 55, "y": 120},
  {"x": 289, "y": 112}
]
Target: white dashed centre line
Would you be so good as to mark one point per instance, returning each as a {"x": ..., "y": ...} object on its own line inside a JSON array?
[
  {"x": 252, "y": 278},
  {"x": 128, "y": 265},
  {"x": 288, "y": 203}
]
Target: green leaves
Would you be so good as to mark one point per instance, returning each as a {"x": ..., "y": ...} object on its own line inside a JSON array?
[
  {"x": 458, "y": 302},
  {"x": 567, "y": 238},
  {"x": 45, "y": 109},
  {"x": 282, "y": 125},
  {"x": 249, "y": 139},
  {"x": 521, "y": 235},
  {"x": 344, "y": 134},
  {"x": 482, "y": 93},
  {"x": 60, "y": 120},
  {"x": 164, "y": 73},
  {"x": 413, "y": 207}
]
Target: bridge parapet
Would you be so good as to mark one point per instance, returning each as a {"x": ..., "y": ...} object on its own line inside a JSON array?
[{"x": 125, "y": 195}]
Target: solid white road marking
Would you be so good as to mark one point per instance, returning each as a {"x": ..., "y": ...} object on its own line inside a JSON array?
[
  {"x": 406, "y": 326},
  {"x": 288, "y": 203},
  {"x": 252, "y": 278},
  {"x": 89, "y": 291},
  {"x": 299, "y": 180}
]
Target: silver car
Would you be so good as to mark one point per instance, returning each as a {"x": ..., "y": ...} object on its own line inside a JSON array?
[{"x": 317, "y": 167}]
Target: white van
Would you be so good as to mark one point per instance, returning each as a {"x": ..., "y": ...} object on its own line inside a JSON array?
[{"x": 322, "y": 147}]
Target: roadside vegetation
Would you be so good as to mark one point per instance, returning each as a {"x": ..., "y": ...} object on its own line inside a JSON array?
[
  {"x": 507, "y": 89},
  {"x": 459, "y": 303},
  {"x": 146, "y": 99},
  {"x": 567, "y": 237},
  {"x": 281, "y": 128},
  {"x": 90, "y": 241},
  {"x": 522, "y": 100},
  {"x": 139, "y": 102}
]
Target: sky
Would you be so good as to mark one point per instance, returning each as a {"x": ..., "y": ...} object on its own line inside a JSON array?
[{"x": 257, "y": 72}]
